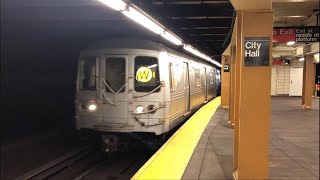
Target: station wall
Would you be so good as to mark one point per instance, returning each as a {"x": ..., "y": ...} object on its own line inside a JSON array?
[{"x": 287, "y": 78}]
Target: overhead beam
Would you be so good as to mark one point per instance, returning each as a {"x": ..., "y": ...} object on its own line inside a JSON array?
[
  {"x": 204, "y": 31},
  {"x": 201, "y": 23},
  {"x": 194, "y": 10},
  {"x": 211, "y": 45},
  {"x": 189, "y": 2},
  {"x": 205, "y": 38},
  {"x": 288, "y": 1},
  {"x": 242, "y": 5},
  {"x": 200, "y": 17}
]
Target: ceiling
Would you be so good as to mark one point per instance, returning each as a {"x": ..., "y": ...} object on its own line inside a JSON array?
[
  {"x": 293, "y": 13},
  {"x": 203, "y": 24}
]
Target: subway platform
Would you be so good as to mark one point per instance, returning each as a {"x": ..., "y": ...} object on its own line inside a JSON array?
[{"x": 293, "y": 149}]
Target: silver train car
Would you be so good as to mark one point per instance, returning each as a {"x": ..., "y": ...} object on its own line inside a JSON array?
[{"x": 130, "y": 85}]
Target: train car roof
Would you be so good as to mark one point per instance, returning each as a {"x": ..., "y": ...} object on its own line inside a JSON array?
[
  {"x": 134, "y": 43},
  {"x": 126, "y": 43}
]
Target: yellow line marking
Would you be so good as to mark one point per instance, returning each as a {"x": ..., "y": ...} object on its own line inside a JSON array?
[{"x": 171, "y": 160}]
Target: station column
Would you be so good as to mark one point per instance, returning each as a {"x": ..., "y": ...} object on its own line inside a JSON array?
[
  {"x": 253, "y": 86},
  {"x": 225, "y": 81},
  {"x": 308, "y": 81},
  {"x": 232, "y": 86}
]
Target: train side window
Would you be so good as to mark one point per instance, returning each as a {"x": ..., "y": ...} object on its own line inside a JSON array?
[
  {"x": 115, "y": 74},
  {"x": 171, "y": 77},
  {"x": 146, "y": 74},
  {"x": 198, "y": 77},
  {"x": 88, "y": 74},
  {"x": 211, "y": 77}
]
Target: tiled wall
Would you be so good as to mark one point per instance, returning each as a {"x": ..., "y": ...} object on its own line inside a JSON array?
[
  {"x": 296, "y": 63},
  {"x": 283, "y": 77}
]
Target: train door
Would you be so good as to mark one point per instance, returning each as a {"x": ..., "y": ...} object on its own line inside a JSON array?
[
  {"x": 114, "y": 92},
  {"x": 186, "y": 87},
  {"x": 205, "y": 84}
]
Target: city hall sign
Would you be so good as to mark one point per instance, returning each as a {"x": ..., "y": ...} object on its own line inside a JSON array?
[{"x": 256, "y": 51}]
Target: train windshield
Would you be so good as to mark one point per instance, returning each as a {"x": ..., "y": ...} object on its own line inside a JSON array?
[
  {"x": 115, "y": 74},
  {"x": 146, "y": 74},
  {"x": 88, "y": 74}
]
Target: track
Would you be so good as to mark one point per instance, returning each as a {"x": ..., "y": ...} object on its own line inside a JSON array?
[
  {"x": 57, "y": 165},
  {"x": 116, "y": 166},
  {"x": 84, "y": 163}
]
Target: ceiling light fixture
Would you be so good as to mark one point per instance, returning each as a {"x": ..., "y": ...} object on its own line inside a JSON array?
[
  {"x": 153, "y": 26},
  {"x": 290, "y": 43},
  {"x": 143, "y": 20},
  {"x": 199, "y": 54},
  {"x": 316, "y": 57},
  {"x": 301, "y": 59},
  {"x": 172, "y": 38},
  {"x": 117, "y": 5}
]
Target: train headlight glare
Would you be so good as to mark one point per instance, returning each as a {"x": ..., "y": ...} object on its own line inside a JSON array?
[
  {"x": 139, "y": 109},
  {"x": 92, "y": 107}
]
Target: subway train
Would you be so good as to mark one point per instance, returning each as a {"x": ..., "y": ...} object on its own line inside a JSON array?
[{"x": 139, "y": 86}]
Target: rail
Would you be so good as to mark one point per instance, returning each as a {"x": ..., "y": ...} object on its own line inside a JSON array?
[{"x": 55, "y": 166}]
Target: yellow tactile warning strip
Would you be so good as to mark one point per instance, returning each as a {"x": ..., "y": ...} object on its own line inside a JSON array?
[{"x": 171, "y": 160}]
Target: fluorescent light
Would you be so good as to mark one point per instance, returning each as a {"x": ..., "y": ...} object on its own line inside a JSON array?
[
  {"x": 216, "y": 63},
  {"x": 199, "y": 54},
  {"x": 172, "y": 38},
  {"x": 290, "y": 43},
  {"x": 316, "y": 57},
  {"x": 190, "y": 49},
  {"x": 153, "y": 26},
  {"x": 118, "y": 5},
  {"x": 301, "y": 59},
  {"x": 143, "y": 20}
]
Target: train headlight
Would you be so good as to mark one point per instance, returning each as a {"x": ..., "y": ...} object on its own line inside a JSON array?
[
  {"x": 92, "y": 107},
  {"x": 139, "y": 109}
]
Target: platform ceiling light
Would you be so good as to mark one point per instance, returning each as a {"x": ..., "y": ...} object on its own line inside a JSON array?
[
  {"x": 117, "y": 5},
  {"x": 290, "y": 43},
  {"x": 143, "y": 20},
  {"x": 153, "y": 26},
  {"x": 199, "y": 54},
  {"x": 301, "y": 59},
  {"x": 172, "y": 38},
  {"x": 316, "y": 57},
  {"x": 216, "y": 63}
]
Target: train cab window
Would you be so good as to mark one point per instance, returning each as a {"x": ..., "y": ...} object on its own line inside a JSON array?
[
  {"x": 198, "y": 77},
  {"x": 115, "y": 75},
  {"x": 146, "y": 74},
  {"x": 88, "y": 74}
]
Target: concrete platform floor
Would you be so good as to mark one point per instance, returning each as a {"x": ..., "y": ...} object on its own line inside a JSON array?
[{"x": 294, "y": 144}]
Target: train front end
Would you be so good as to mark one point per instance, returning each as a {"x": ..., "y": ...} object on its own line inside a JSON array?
[{"x": 120, "y": 93}]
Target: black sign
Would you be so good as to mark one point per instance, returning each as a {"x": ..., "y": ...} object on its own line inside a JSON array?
[
  {"x": 307, "y": 34},
  {"x": 226, "y": 68},
  {"x": 256, "y": 51}
]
